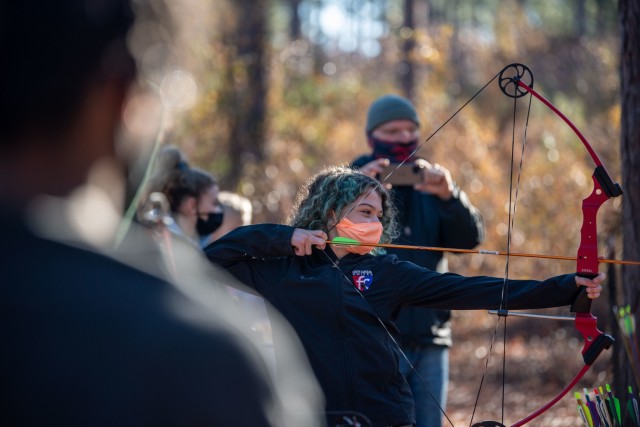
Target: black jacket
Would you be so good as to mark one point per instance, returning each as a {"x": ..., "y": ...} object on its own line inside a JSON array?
[
  {"x": 353, "y": 356},
  {"x": 88, "y": 340},
  {"x": 426, "y": 220}
]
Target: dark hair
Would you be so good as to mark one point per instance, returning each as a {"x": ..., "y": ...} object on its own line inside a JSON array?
[
  {"x": 332, "y": 190},
  {"x": 52, "y": 51},
  {"x": 176, "y": 179}
]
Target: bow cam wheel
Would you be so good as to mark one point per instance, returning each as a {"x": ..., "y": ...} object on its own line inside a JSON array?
[{"x": 509, "y": 78}]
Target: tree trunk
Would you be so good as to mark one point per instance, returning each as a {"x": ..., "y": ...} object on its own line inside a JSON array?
[
  {"x": 247, "y": 88},
  {"x": 455, "y": 51},
  {"x": 629, "y": 16},
  {"x": 435, "y": 12},
  {"x": 580, "y": 16},
  {"x": 600, "y": 14},
  {"x": 406, "y": 68},
  {"x": 295, "y": 26}
]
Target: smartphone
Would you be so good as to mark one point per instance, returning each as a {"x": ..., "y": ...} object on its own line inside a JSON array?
[{"x": 406, "y": 174}]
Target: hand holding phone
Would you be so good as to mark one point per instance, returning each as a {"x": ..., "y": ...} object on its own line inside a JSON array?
[
  {"x": 436, "y": 180},
  {"x": 397, "y": 174}
]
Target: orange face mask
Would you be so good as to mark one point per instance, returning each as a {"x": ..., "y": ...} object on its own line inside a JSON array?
[{"x": 367, "y": 232}]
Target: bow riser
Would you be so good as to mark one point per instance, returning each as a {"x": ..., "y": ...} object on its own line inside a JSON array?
[
  {"x": 603, "y": 189},
  {"x": 587, "y": 263},
  {"x": 587, "y": 259}
]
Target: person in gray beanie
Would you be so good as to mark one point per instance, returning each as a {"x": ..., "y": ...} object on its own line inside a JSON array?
[{"x": 433, "y": 212}]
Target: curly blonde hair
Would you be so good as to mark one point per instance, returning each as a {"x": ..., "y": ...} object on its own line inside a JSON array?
[{"x": 332, "y": 190}]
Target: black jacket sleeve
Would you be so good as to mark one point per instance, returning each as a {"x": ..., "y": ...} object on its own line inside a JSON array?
[
  {"x": 254, "y": 253},
  {"x": 422, "y": 287},
  {"x": 462, "y": 225}
]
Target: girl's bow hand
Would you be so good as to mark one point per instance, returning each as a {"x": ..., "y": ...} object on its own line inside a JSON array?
[{"x": 593, "y": 286}]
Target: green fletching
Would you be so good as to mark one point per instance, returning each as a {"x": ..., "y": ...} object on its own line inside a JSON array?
[{"x": 344, "y": 241}]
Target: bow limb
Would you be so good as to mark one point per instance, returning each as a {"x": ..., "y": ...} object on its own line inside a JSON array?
[
  {"x": 573, "y": 127},
  {"x": 553, "y": 401}
]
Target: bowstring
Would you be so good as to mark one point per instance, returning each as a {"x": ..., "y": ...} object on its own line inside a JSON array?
[
  {"x": 513, "y": 201},
  {"x": 512, "y": 216}
]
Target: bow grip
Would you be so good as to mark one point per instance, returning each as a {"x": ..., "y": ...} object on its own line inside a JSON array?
[{"x": 582, "y": 303}]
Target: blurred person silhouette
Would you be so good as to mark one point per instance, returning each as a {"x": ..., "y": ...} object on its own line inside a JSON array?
[
  {"x": 343, "y": 299},
  {"x": 433, "y": 212},
  {"x": 88, "y": 339},
  {"x": 199, "y": 214},
  {"x": 237, "y": 211},
  {"x": 192, "y": 194}
]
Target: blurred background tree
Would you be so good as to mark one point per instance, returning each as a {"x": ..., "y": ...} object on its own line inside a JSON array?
[{"x": 270, "y": 91}]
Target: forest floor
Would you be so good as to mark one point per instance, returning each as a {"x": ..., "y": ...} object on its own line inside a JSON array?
[{"x": 542, "y": 356}]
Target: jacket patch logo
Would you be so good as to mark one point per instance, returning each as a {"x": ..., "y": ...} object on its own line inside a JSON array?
[{"x": 362, "y": 279}]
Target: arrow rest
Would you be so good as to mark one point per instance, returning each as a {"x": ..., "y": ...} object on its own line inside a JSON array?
[{"x": 510, "y": 76}]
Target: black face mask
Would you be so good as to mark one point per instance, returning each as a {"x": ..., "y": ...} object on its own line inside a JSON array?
[
  {"x": 396, "y": 152},
  {"x": 209, "y": 225}
]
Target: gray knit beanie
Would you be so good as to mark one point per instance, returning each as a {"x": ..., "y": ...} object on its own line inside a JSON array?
[{"x": 390, "y": 107}]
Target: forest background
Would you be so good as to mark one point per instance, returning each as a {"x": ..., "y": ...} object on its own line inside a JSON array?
[{"x": 265, "y": 93}]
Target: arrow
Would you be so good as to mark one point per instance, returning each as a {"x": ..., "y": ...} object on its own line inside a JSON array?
[
  {"x": 583, "y": 410},
  {"x": 615, "y": 405},
  {"x": 344, "y": 241}
]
